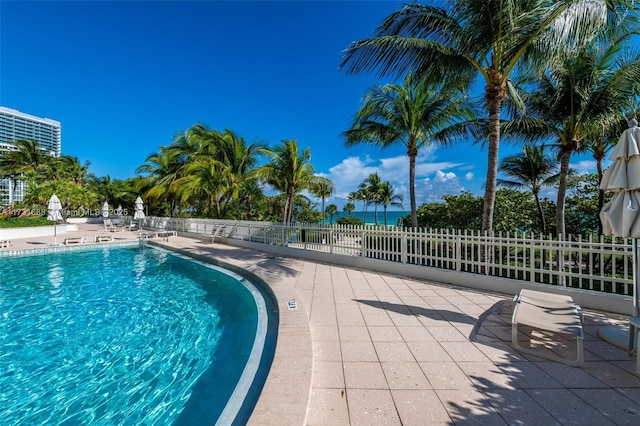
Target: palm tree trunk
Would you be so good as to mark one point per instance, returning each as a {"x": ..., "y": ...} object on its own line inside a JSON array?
[
  {"x": 565, "y": 156},
  {"x": 285, "y": 208},
  {"x": 412, "y": 188},
  {"x": 218, "y": 209},
  {"x": 291, "y": 198},
  {"x": 600, "y": 195},
  {"x": 12, "y": 198},
  {"x": 495, "y": 106},
  {"x": 543, "y": 223},
  {"x": 364, "y": 212}
]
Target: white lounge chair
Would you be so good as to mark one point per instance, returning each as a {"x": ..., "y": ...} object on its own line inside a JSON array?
[
  {"x": 73, "y": 240},
  {"x": 109, "y": 226},
  {"x": 220, "y": 231},
  {"x": 550, "y": 312}
]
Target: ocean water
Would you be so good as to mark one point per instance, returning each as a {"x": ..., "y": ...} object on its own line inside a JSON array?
[{"x": 370, "y": 219}]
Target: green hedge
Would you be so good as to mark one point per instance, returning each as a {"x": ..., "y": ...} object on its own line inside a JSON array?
[{"x": 24, "y": 222}]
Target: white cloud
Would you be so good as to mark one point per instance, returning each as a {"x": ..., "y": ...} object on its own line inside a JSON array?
[
  {"x": 585, "y": 166},
  {"x": 433, "y": 179},
  {"x": 432, "y": 189}
]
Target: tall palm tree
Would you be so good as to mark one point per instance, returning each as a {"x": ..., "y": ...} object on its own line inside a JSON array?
[
  {"x": 371, "y": 187},
  {"x": 415, "y": 114},
  {"x": 531, "y": 169},
  {"x": 203, "y": 181},
  {"x": 289, "y": 172},
  {"x": 160, "y": 171},
  {"x": 323, "y": 188},
  {"x": 331, "y": 210},
  {"x": 577, "y": 101},
  {"x": 388, "y": 197},
  {"x": 348, "y": 207},
  {"x": 360, "y": 195},
  {"x": 67, "y": 167},
  {"x": 493, "y": 38},
  {"x": 240, "y": 159},
  {"x": 27, "y": 155}
]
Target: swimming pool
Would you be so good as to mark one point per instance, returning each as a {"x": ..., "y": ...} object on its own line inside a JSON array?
[{"x": 128, "y": 336}]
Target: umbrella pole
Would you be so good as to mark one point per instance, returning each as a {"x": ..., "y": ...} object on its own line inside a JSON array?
[
  {"x": 636, "y": 278},
  {"x": 55, "y": 234}
]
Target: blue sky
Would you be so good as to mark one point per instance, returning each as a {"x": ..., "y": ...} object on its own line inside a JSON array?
[{"x": 125, "y": 77}]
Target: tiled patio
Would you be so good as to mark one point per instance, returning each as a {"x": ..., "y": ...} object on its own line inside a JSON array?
[{"x": 365, "y": 348}]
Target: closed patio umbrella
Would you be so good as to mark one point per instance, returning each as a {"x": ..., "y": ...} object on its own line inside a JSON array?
[
  {"x": 53, "y": 213},
  {"x": 620, "y": 217},
  {"x": 138, "y": 212},
  {"x": 105, "y": 210}
]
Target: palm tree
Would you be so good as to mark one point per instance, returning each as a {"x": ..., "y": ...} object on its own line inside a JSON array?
[
  {"x": 331, "y": 210},
  {"x": 531, "y": 169},
  {"x": 161, "y": 170},
  {"x": 348, "y": 207},
  {"x": 360, "y": 195},
  {"x": 26, "y": 156},
  {"x": 203, "y": 181},
  {"x": 388, "y": 197},
  {"x": 494, "y": 38},
  {"x": 239, "y": 159},
  {"x": 323, "y": 188},
  {"x": 415, "y": 114},
  {"x": 577, "y": 101},
  {"x": 289, "y": 172},
  {"x": 371, "y": 187}
]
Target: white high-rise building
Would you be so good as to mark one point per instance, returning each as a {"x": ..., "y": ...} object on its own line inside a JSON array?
[{"x": 16, "y": 125}]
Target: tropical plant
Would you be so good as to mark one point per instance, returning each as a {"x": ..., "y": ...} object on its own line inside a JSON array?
[
  {"x": 371, "y": 188},
  {"x": 289, "y": 172},
  {"x": 494, "y": 38},
  {"x": 388, "y": 197},
  {"x": 349, "y": 220},
  {"x": 415, "y": 114},
  {"x": 531, "y": 169},
  {"x": 331, "y": 210},
  {"x": 203, "y": 171},
  {"x": 323, "y": 188},
  {"x": 348, "y": 208},
  {"x": 360, "y": 195},
  {"x": 579, "y": 100},
  {"x": 160, "y": 171},
  {"x": 25, "y": 156},
  {"x": 583, "y": 211}
]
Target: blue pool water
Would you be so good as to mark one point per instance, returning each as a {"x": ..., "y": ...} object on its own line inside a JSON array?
[{"x": 124, "y": 336}]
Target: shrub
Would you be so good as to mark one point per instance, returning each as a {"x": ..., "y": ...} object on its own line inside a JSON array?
[
  {"x": 23, "y": 222},
  {"x": 349, "y": 220}
]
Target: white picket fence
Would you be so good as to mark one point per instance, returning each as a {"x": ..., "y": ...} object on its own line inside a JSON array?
[{"x": 599, "y": 264}]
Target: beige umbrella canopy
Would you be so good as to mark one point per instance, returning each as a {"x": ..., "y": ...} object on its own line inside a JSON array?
[
  {"x": 138, "y": 212},
  {"x": 620, "y": 217}
]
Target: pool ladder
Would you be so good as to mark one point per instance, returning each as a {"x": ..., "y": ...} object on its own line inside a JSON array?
[{"x": 142, "y": 240}]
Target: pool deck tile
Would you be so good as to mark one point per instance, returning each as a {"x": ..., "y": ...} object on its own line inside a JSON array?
[{"x": 367, "y": 348}]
